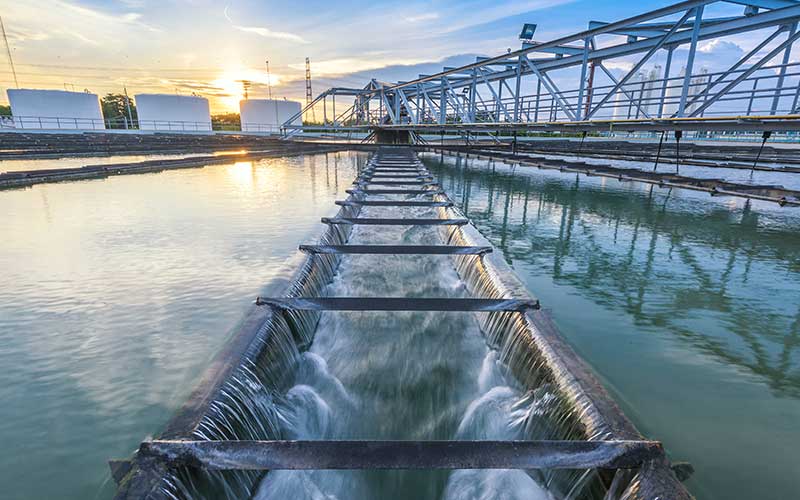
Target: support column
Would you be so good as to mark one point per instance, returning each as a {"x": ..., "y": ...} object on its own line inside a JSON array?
[
  {"x": 698, "y": 19},
  {"x": 516, "y": 91},
  {"x": 582, "y": 88},
  {"x": 443, "y": 104},
  {"x": 782, "y": 76},
  {"x": 664, "y": 86}
]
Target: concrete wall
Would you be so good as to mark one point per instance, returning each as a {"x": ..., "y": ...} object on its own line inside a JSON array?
[
  {"x": 173, "y": 112},
  {"x": 55, "y": 109},
  {"x": 265, "y": 115}
]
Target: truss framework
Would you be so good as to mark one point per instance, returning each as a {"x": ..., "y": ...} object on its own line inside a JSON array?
[{"x": 569, "y": 82}]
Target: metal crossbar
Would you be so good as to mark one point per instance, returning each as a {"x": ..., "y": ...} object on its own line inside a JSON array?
[
  {"x": 397, "y": 183},
  {"x": 395, "y": 169},
  {"x": 397, "y": 304},
  {"x": 395, "y": 222},
  {"x": 343, "y": 455},
  {"x": 397, "y": 176},
  {"x": 397, "y": 249},
  {"x": 390, "y": 203},
  {"x": 394, "y": 191},
  {"x": 398, "y": 171}
]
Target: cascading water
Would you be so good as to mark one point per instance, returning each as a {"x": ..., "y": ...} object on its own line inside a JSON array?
[{"x": 396, "y": 376}]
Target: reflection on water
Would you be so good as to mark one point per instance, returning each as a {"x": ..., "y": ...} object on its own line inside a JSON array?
[
  {"x": 688, "y": 306},
  {"x": 114, "y": 293},
  {"x": 81, "y": 161}
]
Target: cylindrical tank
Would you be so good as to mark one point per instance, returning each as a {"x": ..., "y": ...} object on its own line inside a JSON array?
[
  {"x": 55, "y": 109},
  {"x": 168, "y": 112},
  {"x": 267, "y": 115}
]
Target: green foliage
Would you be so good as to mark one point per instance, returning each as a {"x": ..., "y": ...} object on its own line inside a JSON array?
[
  {"x": 115, "y": 108},
  {"x": 226, "y": 121},
  {"x": 5, "y": 110}
]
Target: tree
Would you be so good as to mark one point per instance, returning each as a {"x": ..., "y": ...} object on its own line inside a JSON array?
[
  {"x": 5, "y": 110},
  {"x": 226, "y": 121},
  {"x": 115, "y": 108}
]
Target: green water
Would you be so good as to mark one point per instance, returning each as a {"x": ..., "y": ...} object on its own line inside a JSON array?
[
  {"x": 688, "y": 307},
  {"x": 114, "y": 294}
]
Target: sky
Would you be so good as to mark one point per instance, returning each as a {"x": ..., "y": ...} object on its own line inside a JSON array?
[{"x": 207, "y": 47}]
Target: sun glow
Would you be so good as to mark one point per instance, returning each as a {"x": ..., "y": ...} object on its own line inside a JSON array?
[{"x": 231, "y": 86}]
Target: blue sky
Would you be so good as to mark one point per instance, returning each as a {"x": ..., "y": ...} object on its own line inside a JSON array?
[{"x": 206, "y": 46}]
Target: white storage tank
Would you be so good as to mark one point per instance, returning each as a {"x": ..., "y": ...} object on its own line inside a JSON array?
[
  {"x": 169, "y": 112},
  {"x": 267, "y": 115},
  {"x": 55, "y": 109}
]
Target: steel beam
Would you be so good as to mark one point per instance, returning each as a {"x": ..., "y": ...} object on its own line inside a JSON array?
[{"x": 366, "y": 454}]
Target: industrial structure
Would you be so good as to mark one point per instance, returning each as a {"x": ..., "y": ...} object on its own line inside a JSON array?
[
  {"x": 208, "y": 450},
  {"x": 268, "y": 115},
  {"x": 54, "y": 109},
  {"x": 167, "y": 112},
  {"x": 569, "y": 84}
]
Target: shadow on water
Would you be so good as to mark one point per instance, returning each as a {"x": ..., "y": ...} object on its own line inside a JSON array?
[{"x": 719, "y": 275}]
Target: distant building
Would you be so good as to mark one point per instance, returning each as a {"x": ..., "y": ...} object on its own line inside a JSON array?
[
  {"x": 55, "y": 109},
  {"x": 697, "y": 84},
  {"x": 169, "y": 112},
  {"x": 267, "y": 115}
]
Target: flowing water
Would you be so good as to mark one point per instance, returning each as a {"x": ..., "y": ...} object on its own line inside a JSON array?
[
  {"x": 408, "y": 375},
  {"x": 687, "y": 306},
  {"x": 115, "y": 293},
  {"x": 381, "y": 375}
]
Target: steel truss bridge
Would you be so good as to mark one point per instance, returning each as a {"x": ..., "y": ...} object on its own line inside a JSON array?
[{"x": 568, "y": 84}]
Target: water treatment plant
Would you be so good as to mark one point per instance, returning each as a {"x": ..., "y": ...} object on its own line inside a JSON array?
[{"x": 567, "y": 269}]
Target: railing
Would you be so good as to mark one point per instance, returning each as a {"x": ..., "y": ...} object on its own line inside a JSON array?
[{"x": 9, "y": 122}]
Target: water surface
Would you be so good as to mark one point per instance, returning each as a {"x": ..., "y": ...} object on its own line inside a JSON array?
[
  {"x": 115, "y": 293},
  {"x": 687, "y": 306}
]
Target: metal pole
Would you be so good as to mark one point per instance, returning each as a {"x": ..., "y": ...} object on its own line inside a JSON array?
[
  {"x": 589, "y": 87},
  {"x": 667, "y": 68},
  {"x": 269, "y": 82},
  {"x": 443, "y": 104},
  {"x": 698, "y": 19},
  {"x": 8, "y": 51},
  {"x": 753, "y": 96},
  {"x": 782, "y": 75},
  {"x": 128, "y": 105},
  {"x": 658, "y": 153},
  {"x": 582, "y": 87},
  {"x": 472, "y": 103},
  {"x": 516, "y": 91}
]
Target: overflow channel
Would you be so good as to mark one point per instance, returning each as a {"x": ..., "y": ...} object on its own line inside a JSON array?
[{"x": 398, "y": 357}]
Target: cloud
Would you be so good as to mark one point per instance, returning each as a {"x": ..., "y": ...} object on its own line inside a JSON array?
[
  {"x": 344, "y": 66},
  {"x": 422, "y": 17},
  {"x": 21, "y": 35},
  {"x": 721, "y": 47},
  {"x": 265, "y": 32},
  {"x": 67, "y": 22}
]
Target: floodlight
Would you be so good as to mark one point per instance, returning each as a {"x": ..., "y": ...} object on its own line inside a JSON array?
[{"x": 528, "y": 29}]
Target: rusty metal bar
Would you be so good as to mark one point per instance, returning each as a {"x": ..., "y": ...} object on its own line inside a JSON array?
[
  {"x": 394, "y": 222},
  {"x": 397, "y": 249},
  {"x": 349, "y": 455},
  {"x": 394, "y": 191},
  {"x": 397, "y": 304},
  {"x": 392, "y": 203}
]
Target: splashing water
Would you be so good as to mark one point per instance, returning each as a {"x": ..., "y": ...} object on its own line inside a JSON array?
[{"x": 392, "y": 375}]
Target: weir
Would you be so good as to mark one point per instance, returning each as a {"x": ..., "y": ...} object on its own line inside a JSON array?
[{"x": 438, "y": 358}]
